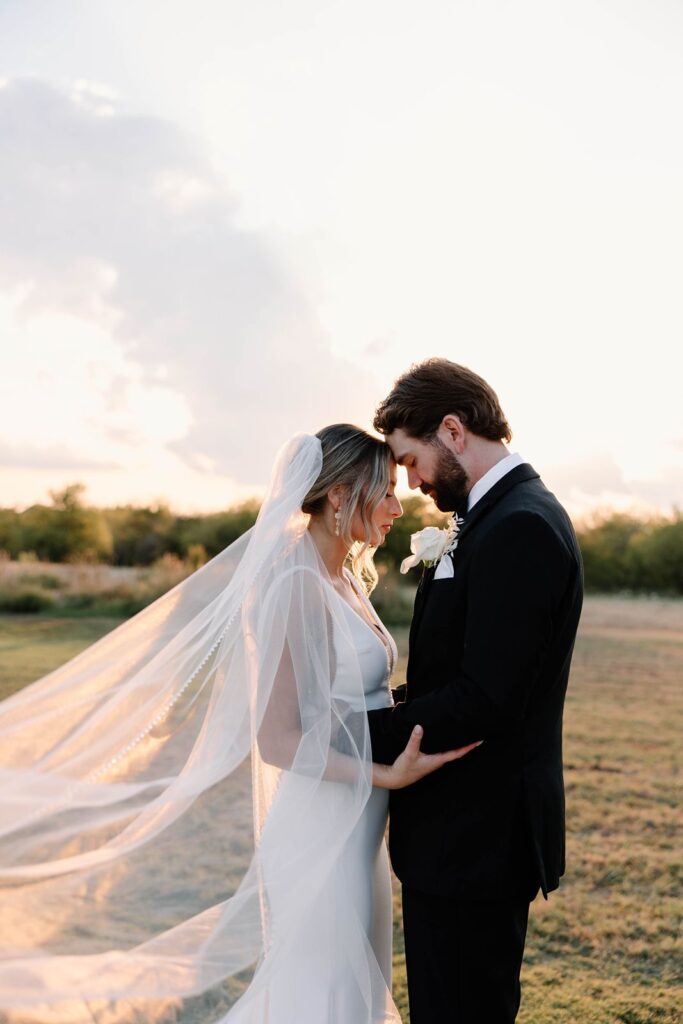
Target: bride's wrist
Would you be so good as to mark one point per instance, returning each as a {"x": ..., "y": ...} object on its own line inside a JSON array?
[{"x": 382, "y": 776}]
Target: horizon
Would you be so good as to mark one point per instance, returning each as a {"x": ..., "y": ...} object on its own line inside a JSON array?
[{"x": 594, "y": 514}]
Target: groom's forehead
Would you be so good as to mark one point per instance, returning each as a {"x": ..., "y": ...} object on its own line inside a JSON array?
[{"x": 402, "y": 445}]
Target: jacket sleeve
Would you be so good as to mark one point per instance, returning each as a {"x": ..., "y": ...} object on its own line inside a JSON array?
[{"x": 516, "y": 583}]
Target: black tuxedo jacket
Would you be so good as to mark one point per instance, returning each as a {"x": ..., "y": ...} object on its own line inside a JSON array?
[{"x": 490, "y": 651}]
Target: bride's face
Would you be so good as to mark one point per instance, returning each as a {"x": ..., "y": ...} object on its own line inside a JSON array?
[{"x": 383, "y": 517}]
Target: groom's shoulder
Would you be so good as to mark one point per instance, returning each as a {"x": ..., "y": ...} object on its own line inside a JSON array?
[
  {"x": 528, "y": 502},
  {"x": 530, "y": 494},
  {"x": 531, "y": 506}
]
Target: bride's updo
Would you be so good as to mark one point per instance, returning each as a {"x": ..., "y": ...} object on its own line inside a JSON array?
[{"x": 361, "y": 464}]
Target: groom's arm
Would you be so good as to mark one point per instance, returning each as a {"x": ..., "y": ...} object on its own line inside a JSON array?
[
  {"x": 516, "y": 582},
  {"x": 386, "y": 735}
]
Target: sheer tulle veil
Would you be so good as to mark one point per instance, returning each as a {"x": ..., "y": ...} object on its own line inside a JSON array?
[{"x": 173, "y": 799}]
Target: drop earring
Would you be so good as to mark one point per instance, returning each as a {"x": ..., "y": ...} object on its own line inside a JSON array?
[{"x": 337, "y": 521}]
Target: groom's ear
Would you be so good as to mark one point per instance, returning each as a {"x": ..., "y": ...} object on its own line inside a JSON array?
[{"x": 453, "y": 430}]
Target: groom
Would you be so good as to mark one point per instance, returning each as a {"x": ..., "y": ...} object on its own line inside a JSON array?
[{"x": 490, "y": 647}]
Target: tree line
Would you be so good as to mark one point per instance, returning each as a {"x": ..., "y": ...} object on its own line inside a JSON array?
[{"x": 621, "y": 552}]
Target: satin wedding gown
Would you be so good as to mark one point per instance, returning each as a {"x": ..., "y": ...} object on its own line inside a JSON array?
[{"x": 342, "y": 948}]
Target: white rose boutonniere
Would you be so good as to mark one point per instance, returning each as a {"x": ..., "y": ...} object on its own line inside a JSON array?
[{"x": 431, "y": 544}]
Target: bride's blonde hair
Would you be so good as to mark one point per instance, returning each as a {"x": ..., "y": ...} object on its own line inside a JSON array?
[{"x": 361, "y": 464}]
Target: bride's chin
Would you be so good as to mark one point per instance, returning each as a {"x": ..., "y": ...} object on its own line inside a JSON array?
[{"x": 376, "y": 541}]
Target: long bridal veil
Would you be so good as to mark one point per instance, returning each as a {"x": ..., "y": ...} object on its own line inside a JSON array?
[{"x": 174, "y": 799}]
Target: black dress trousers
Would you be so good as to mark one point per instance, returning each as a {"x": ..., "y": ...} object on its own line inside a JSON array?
[{"x": 463, "y": 958}]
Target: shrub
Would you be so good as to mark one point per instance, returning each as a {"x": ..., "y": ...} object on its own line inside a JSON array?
[
  {"x": 196, "y": 556},
  {"x": 81, "y": 600},
  {"x": 66, "y": 530},
  {"x": 626, "y": 552},
  {"x": 45, "y": 580},
  {"x": 621, "y": 551},
  {"x": 25, "y": 600},
  {"x": 393, "y": 599},
  {"x": 656, "y": 558},
  {"x": 27, "y": 557}
]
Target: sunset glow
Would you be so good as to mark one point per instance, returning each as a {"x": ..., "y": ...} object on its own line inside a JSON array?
[{"x": 220, "y": 227}]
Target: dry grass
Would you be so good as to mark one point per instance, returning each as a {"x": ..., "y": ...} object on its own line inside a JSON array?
[
  {"x": 29, "y": 586},
  {"x": 605, "y": 948}
]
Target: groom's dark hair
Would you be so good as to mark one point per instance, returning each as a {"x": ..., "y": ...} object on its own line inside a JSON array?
[{"x": 421, "y": 398}]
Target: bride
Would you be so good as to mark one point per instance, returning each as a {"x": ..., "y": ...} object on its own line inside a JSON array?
[{"x": 191, "y": 825}]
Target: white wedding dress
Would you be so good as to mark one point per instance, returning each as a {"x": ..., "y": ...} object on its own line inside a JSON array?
[{"x": 342, "y": 949}]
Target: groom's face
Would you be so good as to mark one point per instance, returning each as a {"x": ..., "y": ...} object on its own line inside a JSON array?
[{"x": 434, "y": 468}]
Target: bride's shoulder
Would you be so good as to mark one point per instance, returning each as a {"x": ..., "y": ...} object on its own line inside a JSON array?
[{"x": 287, "y": 576}]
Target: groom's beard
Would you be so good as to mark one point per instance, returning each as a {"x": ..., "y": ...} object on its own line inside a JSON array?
[{"x": 451, "y": 484}]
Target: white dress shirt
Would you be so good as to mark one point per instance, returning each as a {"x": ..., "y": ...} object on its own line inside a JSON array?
[
  {"x": 445, "y": 568},
  {"x": 495, "y": 474}
]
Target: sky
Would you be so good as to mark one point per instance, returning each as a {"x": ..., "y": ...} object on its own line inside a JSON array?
[{"x": 222, "y": 223}]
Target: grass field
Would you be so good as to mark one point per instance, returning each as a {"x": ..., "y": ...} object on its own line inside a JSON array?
[{"x": 604, "y": 949}]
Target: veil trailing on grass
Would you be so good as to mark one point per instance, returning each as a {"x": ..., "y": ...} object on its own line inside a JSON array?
[{"x": 174, "y": 799}]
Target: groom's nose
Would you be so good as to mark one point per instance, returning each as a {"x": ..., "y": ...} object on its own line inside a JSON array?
[{"x": 414, "y": 478}]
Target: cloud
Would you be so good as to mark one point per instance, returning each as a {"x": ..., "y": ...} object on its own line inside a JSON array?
[
  {"x": 377, "y": 347},
  {"x": 26, "y": 456},
  {"x": 121, "y": 221},
  {"x": 590, "y": 476},
  {"x": 601, "y": 481}
]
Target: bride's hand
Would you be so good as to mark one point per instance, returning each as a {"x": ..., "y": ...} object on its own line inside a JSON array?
[{"x": 412, "y": 765}]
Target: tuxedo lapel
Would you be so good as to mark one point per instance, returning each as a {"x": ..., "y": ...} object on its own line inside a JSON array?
[
  {"x": 476, "y": 515},
  {"x": 505, "y": 484},
  {"x": 418, "y": 607}
]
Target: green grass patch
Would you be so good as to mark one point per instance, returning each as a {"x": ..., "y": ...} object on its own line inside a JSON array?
[{"x": 31, "y": 646}]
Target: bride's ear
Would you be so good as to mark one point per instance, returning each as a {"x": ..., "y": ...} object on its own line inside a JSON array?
[{"x": 335, "y": 496}]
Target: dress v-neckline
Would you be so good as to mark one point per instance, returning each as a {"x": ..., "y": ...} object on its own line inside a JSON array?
[{"x": 377, "y": 629}]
